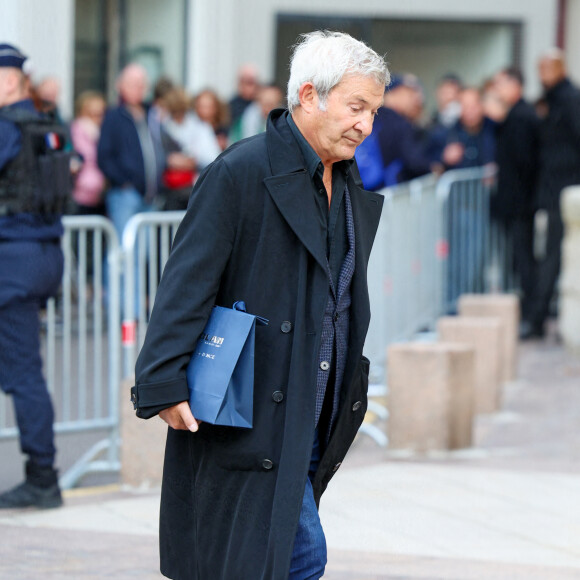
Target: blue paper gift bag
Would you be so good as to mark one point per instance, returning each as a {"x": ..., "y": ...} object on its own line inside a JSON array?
[{"x": 220, "y": 375}]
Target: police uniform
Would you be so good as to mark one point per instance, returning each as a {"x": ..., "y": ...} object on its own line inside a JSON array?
[{"x": 31, "y": 265}]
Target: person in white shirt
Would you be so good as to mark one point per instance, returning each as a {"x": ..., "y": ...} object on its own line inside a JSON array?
[{"x": 196, "y": 137}]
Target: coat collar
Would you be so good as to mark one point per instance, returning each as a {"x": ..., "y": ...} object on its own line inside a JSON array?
[
  {"x": 290, "y": 186},
  {"x": 291, "y": 189}
]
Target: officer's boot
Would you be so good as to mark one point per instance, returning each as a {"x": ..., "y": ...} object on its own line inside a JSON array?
[{"x": 40, "y": 489}]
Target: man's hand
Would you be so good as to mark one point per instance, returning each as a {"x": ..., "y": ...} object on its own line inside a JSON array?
[
  {"x": 180, "y": 161},
  {"x": 180, "y": 417},
  {"x": 453, "y": 154}
]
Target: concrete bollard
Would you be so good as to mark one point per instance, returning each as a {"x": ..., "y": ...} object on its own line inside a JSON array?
[
  {"x": 430, "y": 400},
  {"x": 569, "y": 308},
  {"x": 506, "y": 307},
  {"x": 486, "y": 337},
  {"x": 142, "y": 444}
]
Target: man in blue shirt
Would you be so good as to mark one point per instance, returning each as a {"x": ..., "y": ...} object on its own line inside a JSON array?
[
  {"x": 471, "y": 142},
  {"x": 31, "y": 264}
]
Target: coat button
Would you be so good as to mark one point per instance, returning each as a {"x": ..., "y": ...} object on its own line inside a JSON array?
[
  {"x": 335, "y": 468},
  {"x": 357, "y": 406},
  {"x": 324, "y": 365},
  {"x": 336, "y": 316},
  {"x": 267, "y": 464},
  {"x": 278, "y": 396},
  {"x": 286, "y": 327}
]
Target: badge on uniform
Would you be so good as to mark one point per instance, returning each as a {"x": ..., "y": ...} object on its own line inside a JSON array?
[{"x": 220, "y": 375}]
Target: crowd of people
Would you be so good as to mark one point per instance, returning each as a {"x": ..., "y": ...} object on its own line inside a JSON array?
[
  {"x": 132, "y": 158},
  {"x": 535, "y": 148},
  {"x": 135, "y": 157},
  {"x": 115, "y": 161}
]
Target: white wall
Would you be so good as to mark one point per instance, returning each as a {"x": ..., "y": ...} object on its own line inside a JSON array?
[
  {"x": 159, "y": 24},
  {"x": 474, "y": 51},
  {"x": 227, "y": 33},
  {"x": 44, "y": 31}
]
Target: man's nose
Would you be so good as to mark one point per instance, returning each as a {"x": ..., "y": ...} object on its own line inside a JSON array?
[{"x": 365, "y": 124}]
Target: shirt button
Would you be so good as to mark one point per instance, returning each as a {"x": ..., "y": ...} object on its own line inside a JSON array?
[
  {"x": 324, "y": 365},
  {"x": 357, "y": 406},
  {"x": 278, "y": 396},
  {"x": 335, "y": 468},
  {"x": 267, "y": 464},
  {"x": 286, "y": 327}
]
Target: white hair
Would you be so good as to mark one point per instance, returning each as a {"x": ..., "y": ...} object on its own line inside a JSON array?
[{"x": 323, "y": 58}]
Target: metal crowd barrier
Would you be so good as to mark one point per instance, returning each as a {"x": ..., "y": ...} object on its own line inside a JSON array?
[
  {"x": 406, "y": 269},
  {"x": 435, "y": 241},
  {"x": 435, "y": 235},
  {"x": 405, "y": 277},
  {"x": 480, "y": 255},
  {"x": 147, "y": 240},
  {"x": 81, "y": 345}
]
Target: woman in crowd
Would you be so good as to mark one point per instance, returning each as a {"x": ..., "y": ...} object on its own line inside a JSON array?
[
  {"x": 196, "y": 137},
  {"x": 85, "y": 131},
  {"x": 196, "y": 141},
  {"x": 209, "y": 108}
]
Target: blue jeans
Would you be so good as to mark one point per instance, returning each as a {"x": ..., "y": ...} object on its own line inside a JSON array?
[
  {"x": 122, "y": 204},
  {"x": 309, "y": 553}
]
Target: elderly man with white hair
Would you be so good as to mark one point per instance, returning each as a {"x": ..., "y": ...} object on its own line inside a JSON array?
[
  {"x": 126, "y": 151},
  {"x": 281, "y": 222}
]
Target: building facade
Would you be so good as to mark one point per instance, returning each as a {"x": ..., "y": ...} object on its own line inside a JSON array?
[{"x": 201, "y": 43}]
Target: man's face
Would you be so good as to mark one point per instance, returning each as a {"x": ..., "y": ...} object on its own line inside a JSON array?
[
  {"x": 447, "y": 92},
  {"x": 551, "y": 72},
  {"x": 248, "y": 84},
  {"x": 507, "y": 88},
  {"x": 10, "y": 86},
  {"x": 133, "y": 85},
  {"x": 269, "y": 98},
  {"x": 335, "y": 133},
  {"x": 471, "y": 109}
]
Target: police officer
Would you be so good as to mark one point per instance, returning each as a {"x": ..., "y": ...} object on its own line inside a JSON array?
[{"x": 31, "y": 265}]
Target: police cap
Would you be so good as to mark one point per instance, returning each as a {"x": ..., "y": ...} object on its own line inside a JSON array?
[{"x": 10, "y": 56}]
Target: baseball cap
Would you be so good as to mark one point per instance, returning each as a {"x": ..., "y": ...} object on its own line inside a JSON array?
[{"x": 10, "y": 56}]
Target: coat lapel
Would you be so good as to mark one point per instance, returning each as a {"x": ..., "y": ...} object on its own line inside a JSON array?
[{"x": 291, "y": 187}]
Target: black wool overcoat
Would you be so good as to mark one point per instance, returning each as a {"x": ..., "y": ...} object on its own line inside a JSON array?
[
  {"x": 517, "y": 158},
  {"x": 231, "y": 498},
  {"x": 559, "y": 164}
]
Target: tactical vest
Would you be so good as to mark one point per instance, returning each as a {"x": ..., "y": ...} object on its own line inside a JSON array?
[{"x": 38, "y": 179}]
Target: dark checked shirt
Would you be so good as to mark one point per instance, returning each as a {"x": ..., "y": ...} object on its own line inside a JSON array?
[{"x": 340, "y": 241}]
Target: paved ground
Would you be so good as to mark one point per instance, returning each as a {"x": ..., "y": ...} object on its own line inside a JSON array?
[{"x": 507, "y": 509}]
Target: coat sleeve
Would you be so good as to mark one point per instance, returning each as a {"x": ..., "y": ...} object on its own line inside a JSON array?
[{"x": 187, "y": 292}]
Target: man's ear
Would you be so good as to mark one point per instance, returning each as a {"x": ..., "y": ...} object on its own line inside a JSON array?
[{"x": 308, "y": 97}]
